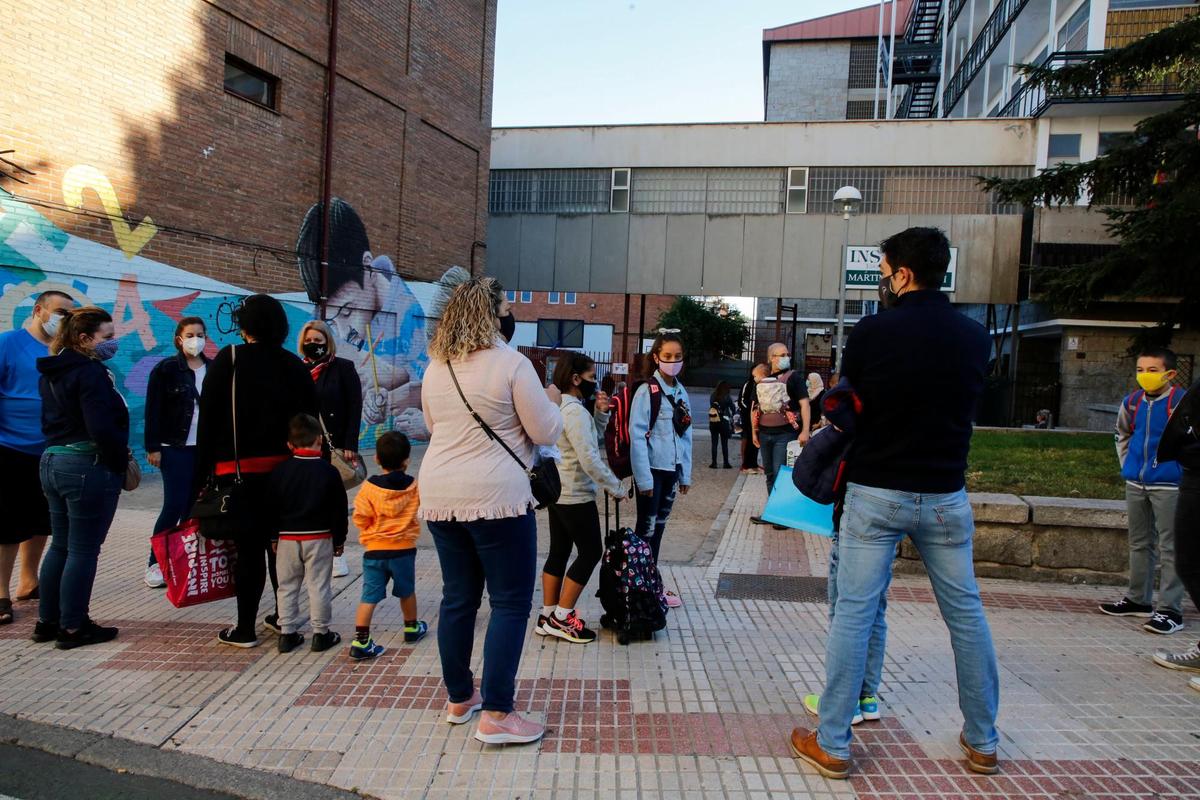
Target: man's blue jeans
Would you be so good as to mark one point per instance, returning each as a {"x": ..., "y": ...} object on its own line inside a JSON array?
[
  {"x": 502, "y": 554},
  {"x": 773, "y": 446},
  {"x": 942, "y": 527},
  {"x": 83, "y": 497},
  {"x": 878, "y": 642}
]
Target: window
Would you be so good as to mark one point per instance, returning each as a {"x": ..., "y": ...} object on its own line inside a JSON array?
[
  {"x": 559, "y": 333},
  {"x": 864, "y": 64},
  {"x": 797, "y": 190},
  {"x": 526, "y": 297},
  {"x": 510, "y": 296},
  {"x": 251, "y": 83},
  {"x": 552, "y": 298},
  {"x": 1064, "y": 148},
  {"x": 1074, "y": 35},
  {"x": 1113, "y": 139},
  {"x": 569, "y": 299},
  {"x": 619, "y": 193}
]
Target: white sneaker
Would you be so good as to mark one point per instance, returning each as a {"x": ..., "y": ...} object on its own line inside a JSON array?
[
  {"x": 154, "y": 578},
  {"x": 341, "y": 568}
]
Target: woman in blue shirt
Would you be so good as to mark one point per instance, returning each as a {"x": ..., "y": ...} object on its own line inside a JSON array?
[{"x": 660, "y": 448}]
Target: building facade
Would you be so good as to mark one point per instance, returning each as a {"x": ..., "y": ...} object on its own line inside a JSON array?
[{"x": 169, "y": 173}]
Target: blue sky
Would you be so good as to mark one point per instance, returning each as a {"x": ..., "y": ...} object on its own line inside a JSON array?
[{"x": 570, "y": 62}]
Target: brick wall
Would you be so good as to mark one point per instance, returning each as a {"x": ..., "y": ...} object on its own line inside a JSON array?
[
  {"x": 139, "y": 97},
  {"x": 609, "y": 310}
]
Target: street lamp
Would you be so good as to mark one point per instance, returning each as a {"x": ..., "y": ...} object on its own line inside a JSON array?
[{"x": 847, "y": 200}]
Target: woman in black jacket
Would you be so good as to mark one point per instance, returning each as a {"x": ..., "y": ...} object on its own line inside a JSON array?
[
  {"x": 339, "y": 393},
  {"x": 720, "y": 422},
  {"x": 86, "y": 424},
  {"x": 272, "y": 386},
  {"x": 172, "y": 419}
]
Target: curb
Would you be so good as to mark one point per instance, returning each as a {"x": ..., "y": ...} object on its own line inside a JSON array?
[
  {"x": 708, "y": 547},
  {"x": 197, "y": 772}
]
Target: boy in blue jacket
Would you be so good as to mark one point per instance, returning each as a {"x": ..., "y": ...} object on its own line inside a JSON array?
[{"x": 1151, "y": 491}]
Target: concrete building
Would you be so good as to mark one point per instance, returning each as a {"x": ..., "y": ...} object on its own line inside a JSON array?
[{"x": 167, "y": 162}]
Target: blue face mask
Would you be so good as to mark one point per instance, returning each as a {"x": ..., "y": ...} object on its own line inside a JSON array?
[
  {"x": 784, "y": 362},
  {"x": 106, "y": 349}
]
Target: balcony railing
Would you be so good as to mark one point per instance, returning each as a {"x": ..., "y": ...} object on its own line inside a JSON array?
[
  {"x": 1001, "y": 19},
  {"x": 1033, "y": 100}
]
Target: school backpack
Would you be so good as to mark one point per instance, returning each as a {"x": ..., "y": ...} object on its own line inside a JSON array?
[
  {"x": 616, "y": 435},
  {"x": 631, "y": 589},
  {"x": 772, "y": 394},
  {"x": 1134, "y": 402}
]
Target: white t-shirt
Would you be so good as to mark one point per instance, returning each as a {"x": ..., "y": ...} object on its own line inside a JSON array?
[{"x": 199, "y": 375}]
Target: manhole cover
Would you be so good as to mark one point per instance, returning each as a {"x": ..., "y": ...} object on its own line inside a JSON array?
[{"x": 785, "y": 588}]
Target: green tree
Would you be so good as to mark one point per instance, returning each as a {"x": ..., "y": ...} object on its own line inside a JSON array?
[
  {"x": 1158, "y": 169},
  {"x": 709, "y": 330}
]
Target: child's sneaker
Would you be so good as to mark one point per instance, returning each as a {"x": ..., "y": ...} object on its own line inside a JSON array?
[
  {"x": 1165, "y": 623},
  {"x": 812, "y": 704},
  {"x": 290, "y": 641},
  {"x": 868, "y": 707},
  {"x": 571, "y": 629},
  {"x": 540, "y": 628},
  {"x": 458, "y": 713},
  {"x": 361, "y": 651},
  {"x": 324, "y": 641},
  {"x": 1126, "y": 608},
  {"x": 416, "y": 633},
  {"x": 513, "y": 729}
]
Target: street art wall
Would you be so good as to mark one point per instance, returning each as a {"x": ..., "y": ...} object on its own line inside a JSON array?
[{"x": 379, "y": 319}]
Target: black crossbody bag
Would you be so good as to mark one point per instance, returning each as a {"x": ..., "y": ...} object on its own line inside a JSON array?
[{"x": 543, "y": 477}]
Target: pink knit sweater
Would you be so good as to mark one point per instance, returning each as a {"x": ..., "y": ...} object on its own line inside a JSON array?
[{"x": 465, "y": 475}]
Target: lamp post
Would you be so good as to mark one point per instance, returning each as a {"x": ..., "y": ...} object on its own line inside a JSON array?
[{"x": 848, "y": 200}]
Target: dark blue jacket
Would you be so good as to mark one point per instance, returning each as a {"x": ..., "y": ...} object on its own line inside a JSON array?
[
  {"x": 818, "y": 472},
  {"x": 1180, "y": 441},
  {"x": 80, "y": 403},
  {"x": 919, "y": 369},
  {"x": 171, "y": 398}
]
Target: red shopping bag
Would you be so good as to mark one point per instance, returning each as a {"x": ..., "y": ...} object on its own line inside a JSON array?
[{"x": 196, "y": 570}]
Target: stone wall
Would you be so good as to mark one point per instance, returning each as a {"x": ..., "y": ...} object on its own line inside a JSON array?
[
  {"x": 808, "y": 81},
  {"x": 1045, "y": 539}
]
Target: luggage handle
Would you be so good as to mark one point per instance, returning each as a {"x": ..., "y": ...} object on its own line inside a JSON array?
[{"x": 618, "y": 512}]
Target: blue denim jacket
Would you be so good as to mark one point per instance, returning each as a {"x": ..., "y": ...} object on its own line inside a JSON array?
[{"x": 662, "y": 449}]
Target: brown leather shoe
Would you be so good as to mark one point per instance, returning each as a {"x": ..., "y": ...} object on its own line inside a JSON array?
[
  {"x": 983, "y": 763},
  {"x": 804, "y": 745}
]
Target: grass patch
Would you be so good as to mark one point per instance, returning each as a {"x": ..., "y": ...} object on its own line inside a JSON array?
[{"x": 1046, "y": 464}]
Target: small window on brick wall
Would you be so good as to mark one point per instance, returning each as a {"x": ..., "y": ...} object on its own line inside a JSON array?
[{"x": 251, "y": 83}]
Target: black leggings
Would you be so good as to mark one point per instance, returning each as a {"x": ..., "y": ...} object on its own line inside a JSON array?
[
  {"x": 1187, "y": 534},
  {"x": 576, "y": 524},
  {"x": 719, "y": 432},
  {"x": 254, "y": 563}
]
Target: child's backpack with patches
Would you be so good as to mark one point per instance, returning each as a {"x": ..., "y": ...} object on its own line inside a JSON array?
[{"x": 631, "y": 589}]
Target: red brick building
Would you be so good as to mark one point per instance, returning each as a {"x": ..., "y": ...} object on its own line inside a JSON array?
[{"x": 594, "y": 310}]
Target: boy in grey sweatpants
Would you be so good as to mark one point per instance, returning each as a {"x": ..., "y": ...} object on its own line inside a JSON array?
[
  {"x": 1151, "y": 491},
  {"x": 309, "y": 505}
]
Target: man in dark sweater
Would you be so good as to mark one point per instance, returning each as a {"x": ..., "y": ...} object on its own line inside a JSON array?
[
  {"x": 309, "y": 508},
  {"x": 918, "y": 368}
]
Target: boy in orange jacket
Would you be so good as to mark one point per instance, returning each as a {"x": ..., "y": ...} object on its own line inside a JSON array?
[{"x": 385, "y": 512}]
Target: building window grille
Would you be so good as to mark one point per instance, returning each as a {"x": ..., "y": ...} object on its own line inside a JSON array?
[
  {"x": 717, "y": 190},
  {"x": 864, "y": 109},
  {"x": 797, "y": 190},
  {"x": 619, "y": 197},
  {"x": 863, "y": 60},
  {"x": 559, "y": 333},
  {"x": 912, "y": 190},
  {"x": 552, "y": 298},
  {"x": 251, "y": 83},
  {"x": 548, "y": 191}
]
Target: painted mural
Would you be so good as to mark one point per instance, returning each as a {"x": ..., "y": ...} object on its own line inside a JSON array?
[{"x": 379, "y": 318}]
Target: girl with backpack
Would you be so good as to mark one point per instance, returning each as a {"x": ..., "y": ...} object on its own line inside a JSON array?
[
  {"x": 574, "y": 519},
  {"x": 720, "y": 422},
  {"x": 661, "y": 443}
]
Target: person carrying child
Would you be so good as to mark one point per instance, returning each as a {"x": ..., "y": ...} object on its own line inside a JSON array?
[
  {"x": 1151, "y": 492},
  {"x": 385, "y": 513},
  {"x": 309, "y": 510}
]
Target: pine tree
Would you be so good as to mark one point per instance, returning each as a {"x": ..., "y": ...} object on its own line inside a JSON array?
[{"x": 1157, "y": 256}]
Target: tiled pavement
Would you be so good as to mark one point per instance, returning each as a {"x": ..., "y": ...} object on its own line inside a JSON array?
[{"x": 702, "y": 712}]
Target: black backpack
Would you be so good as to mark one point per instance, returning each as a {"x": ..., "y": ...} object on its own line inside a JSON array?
[{"x": 631, "y": 589}]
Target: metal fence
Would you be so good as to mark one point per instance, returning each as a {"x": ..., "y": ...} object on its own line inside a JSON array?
[{"x": 545, "y": 359}]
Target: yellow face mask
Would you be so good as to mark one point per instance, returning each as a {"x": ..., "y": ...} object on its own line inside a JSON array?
[{"x": 1153, "y": 382}]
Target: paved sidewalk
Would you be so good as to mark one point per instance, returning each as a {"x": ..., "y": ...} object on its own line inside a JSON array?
[{"x": 702, "y": 712}]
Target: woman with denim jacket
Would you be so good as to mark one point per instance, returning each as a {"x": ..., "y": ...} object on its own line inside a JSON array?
[
  {"x": 574, "y": 519},
  {"x": 86, "y": 424},
  {"x": 172, "y": 417},
  {"x": 661, "y": 448}
]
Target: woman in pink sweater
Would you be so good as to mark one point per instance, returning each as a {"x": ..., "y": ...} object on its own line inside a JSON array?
[{"x": 477, "y": 501}]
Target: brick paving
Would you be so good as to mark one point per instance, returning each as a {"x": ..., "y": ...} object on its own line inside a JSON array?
[{"x": 701, "y": 712}]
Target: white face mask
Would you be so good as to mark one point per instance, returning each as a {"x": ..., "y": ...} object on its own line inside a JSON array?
[
  {"x": 193, "y": 346},
  {"x": 50, "y": 327}
]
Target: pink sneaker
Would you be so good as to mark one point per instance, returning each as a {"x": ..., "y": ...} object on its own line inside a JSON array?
[
  {"x": 513, "y": 729},
  {"x": 458, "y": 713},
  {"x": 673, "y": 600}
]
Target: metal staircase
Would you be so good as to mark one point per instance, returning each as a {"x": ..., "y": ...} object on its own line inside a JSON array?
[{"x": 917, "y": 60}]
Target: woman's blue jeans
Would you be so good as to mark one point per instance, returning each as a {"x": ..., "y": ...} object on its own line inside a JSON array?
[
  {"x": 178, "y": 465},
  {"x": 500, "y": 554},
  {"x": 82, "y": 495},
  {"x": 942, "y": 527}
]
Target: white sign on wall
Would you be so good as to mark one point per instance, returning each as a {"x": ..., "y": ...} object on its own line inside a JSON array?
[
  {"x": 862, "y": 268},
  {"x": 620, "y": 369}
]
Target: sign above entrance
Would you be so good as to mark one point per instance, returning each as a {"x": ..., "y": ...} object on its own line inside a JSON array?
[{"x": 862, "y": 268}]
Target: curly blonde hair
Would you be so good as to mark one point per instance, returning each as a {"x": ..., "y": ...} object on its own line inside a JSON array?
[
  {"x": 322, "y": 328},
  {"x": 468, "y": 321}
]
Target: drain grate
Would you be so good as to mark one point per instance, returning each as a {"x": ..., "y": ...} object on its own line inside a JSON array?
[{"x": 784, "y": 588}]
